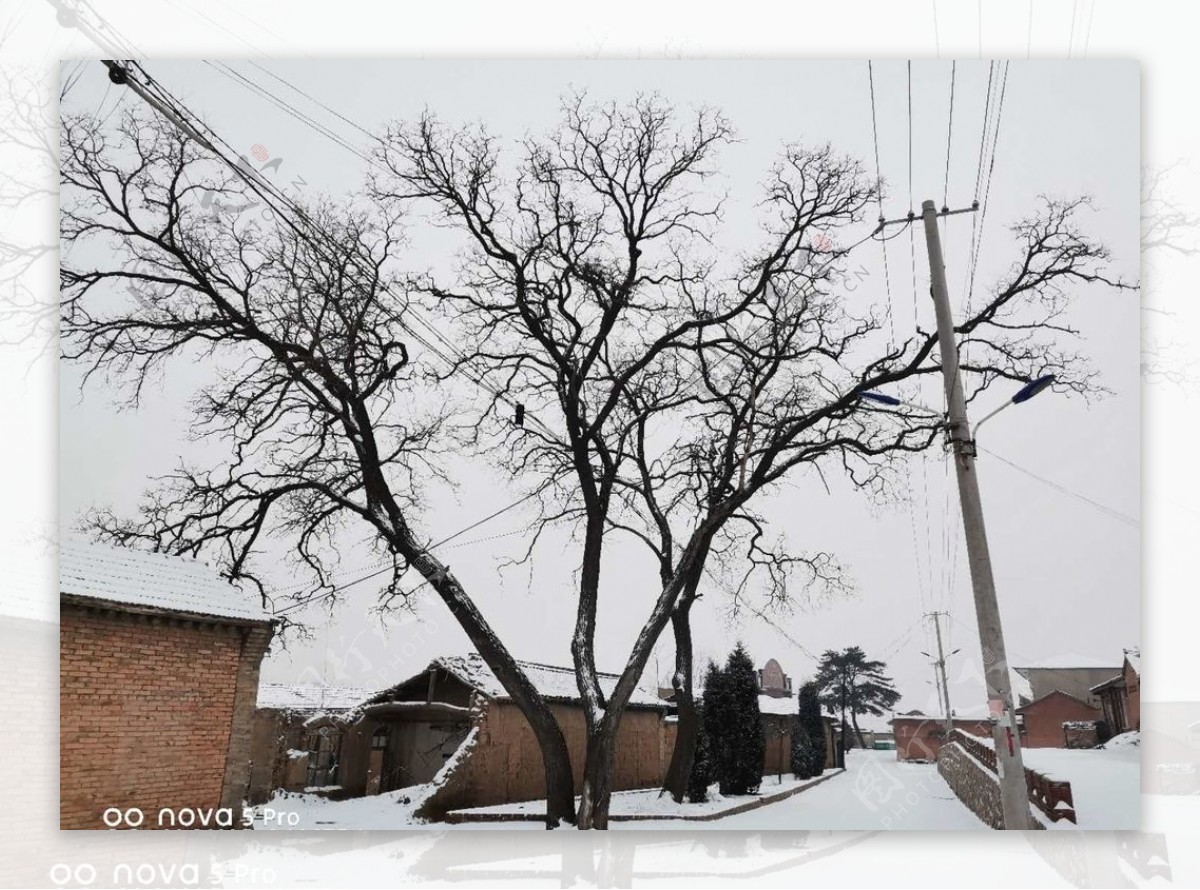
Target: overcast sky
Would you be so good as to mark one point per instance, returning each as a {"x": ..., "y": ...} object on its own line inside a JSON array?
[{"x": 1067, "y": 572}]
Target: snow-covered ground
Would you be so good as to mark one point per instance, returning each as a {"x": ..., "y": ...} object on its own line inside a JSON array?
[
  {"x": 650, "y": 802},
  {"x": 305, "y": 812},
  {"x": 875, "y": 793},
  {"x": 1106, "y": 783}
]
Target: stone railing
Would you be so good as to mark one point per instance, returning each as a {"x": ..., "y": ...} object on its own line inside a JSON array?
[{"x": 1052, "y": 797}]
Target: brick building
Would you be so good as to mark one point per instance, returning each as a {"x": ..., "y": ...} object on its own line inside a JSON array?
[
  {"x": 919, "y": 737},
  {"x": 159, "y": 662},
  {"x": 1076, "y": 675},
  {"x": 1045, "y": 718}
]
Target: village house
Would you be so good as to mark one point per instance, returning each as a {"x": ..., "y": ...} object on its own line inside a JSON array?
[
  {"x": 1059, "y": 720},
  {"x": 457, "y": 710},
  {"x": 919, "y": 736},
  {"x": 297, "y": 735},
  {"x": 336, "y": 742},
  {"x": 1121, "y": 696},
  {"x": 778, "y": 706},
  {"x": 1076, "y": 675},
  {"x": 159, "y": 668}
]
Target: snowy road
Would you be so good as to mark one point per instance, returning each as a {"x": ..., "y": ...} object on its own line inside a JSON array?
[{"x": 875, "y": 793}]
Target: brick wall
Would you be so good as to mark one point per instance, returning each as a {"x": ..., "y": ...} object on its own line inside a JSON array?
[
  {"x": 920, "y": 738},
  {"x": 148, "y": 707},
  {"x": 505, "y": 763}
]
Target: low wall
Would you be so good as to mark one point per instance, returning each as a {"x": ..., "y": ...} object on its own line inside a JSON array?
[
  {"x": 971, "y": 783},
  {"x": 974, "y": 784}
]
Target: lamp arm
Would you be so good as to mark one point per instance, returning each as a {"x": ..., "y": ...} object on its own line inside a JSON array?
[{"x": 987, "y": 417}]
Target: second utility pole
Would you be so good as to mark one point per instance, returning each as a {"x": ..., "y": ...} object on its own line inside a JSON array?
[
  {"x": 1009, "y": 763},
  {"x": 943, "y": 684}
]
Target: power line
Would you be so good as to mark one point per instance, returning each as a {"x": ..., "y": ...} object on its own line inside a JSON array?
[
  {"x": 177, "y": 113},
  {"x": 1108, "y": 511},
  {"x": 382, "y": 568},
  {"x": 887, "y": 275},
  {"x": 949, "y": 136}
]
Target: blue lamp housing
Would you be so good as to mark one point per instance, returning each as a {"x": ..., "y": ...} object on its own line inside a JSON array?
[
  {"x": 879, "y": 397},
  {"x": 1031, "y": 389}
]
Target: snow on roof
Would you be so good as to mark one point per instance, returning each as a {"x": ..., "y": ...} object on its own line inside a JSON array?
[
  {"x": 1021, "y": 687},
  {"x": 310, "y": 696},
  {"x": 155, "y": 580},
  {"x": 769, "y": 704},
  {"x": 553, "y": 682},
  {"x": 1067, "y": 661},
  {"x": 1111, "y": 681}
]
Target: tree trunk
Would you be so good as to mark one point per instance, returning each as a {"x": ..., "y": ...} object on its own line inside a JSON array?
[
  {"x": 858, "y": 732},
  {"x": 687, "y": 730},
  {"x": 603, "y": 723},
  {"x": 556, "y": 761},
  {"x": 845, "y": 745},
  {"x": 687, "y": 734},
  {"x": 596, "y": 793},
  {"x": 390, "y": 520}
]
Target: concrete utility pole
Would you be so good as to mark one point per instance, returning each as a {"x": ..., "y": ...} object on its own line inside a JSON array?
[
  {"x": 940, "y": 664},
  {"x": 1009, "y": 763}
]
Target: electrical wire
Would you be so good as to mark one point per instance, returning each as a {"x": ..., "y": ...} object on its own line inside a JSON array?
[
  {"x": 949, "y": 136},
  {"x": 1108, "y": 511},
  {"x": 887, "y": 275},
  {"x": 307, "y": 227}
]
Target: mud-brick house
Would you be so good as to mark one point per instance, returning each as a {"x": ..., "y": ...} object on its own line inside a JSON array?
[
  {"x": 159, "y": 666},
  {"x": 457, "y": 708},
  {"x": 297, "y": 738},
  {"x": 1121, "y": 695}
]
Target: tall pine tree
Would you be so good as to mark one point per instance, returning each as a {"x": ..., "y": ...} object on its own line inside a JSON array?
[
  {"x": 714, "y": 712},
  {"x": 743, "y": 742},
  {"x": 808, "y": 735},
  {"x": 850, "y": 683}
]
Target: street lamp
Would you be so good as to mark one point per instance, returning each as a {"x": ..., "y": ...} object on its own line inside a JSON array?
[
  {"x": 893, "y": 402},
  {"x": 1024, "y": 394}
]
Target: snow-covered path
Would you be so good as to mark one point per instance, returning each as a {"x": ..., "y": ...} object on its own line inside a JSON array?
[{"x": 876, "y": 792}]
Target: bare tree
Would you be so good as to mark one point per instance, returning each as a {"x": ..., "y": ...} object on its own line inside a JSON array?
[
  {"x": 591, "y": 291},
  {"x": 316, "y": 399},
  {"x": 1017, "y": 334}
]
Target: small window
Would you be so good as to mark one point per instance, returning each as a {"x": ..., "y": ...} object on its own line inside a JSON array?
[{"x": 379, "y": 740}]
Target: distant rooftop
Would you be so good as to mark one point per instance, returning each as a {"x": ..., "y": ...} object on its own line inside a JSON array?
[
  {"x": 553, "y": 682},
  {"x": 1074, "y": 660},
  {"x": 310, "y": 696},
  {"x": 153, "y": 580}
]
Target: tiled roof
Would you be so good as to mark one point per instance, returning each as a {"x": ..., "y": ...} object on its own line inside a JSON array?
[{"x": 153, "y": 580}]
